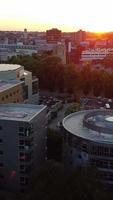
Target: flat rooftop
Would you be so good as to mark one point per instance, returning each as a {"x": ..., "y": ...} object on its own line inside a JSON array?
[
  {"x": 19, "y": 112},
  {"x": 9, "y": 67},
  {"x": 73, "y": 123},
  {"x": 5, "y": 85}
]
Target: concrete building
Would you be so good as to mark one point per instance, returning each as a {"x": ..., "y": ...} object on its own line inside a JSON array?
[
  {"x": 11, "y": 92},
  {"x": 53, "y": 35},
  {"x": 40, "y": 46},
  {"x": 96, "y": 54},
  {"x": 101, "y": 43},
  {"x": 60, "y": 51},
  {"x": 80, "y": 36},
  {"x": 88, "y": 140},
  {"x": 9, "y": 50},
  {"x": 25, "y": 35},
  {"x": 22, "y": 144},
  {"x": 17, "y": 72}
]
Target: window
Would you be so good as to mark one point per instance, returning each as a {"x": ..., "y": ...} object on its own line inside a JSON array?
[
  {"x": 71, "y": 152},
  {"x": 1, "y": 176},
  {"x": 6, "y": 96},
  {"x": 2, "y": 98},
  {"x": 29, "y": 142},
  {"x": 84, "y": 147},
  {"x": 79, "y": 156},
  {"x": 1, "y": 140},
  {"x": 21, "y": 142},
  {"x": 10, "y": 94},
  {"x": 111, "y": 152},
  {"x": 21, "y": 147},
  {"x": 28, "y": 131},
  {"x": 22, "y": 179},
  {"x": 25, "y": 96},
  {"x": 21, "y": 129},
  {"x": 0, "y": 128},
  {"x": 1, "y": 152},
  {"x": 1, "y": 164},
  {"x": 21, "y": 134},
  {"x": 22, "y": 157},
  {"x": 22, "y": 166},
  {"x": 21, "y": 154},
  {"x": 28, "y": 169},
  {"x": 100, "y": 151},
  {"x": 70, "y": 139},
  {"x": 22, "y": 190},
  {"x": 35, "y": 87}
]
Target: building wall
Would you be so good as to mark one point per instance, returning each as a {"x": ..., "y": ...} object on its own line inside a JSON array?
[
  {"x": 35, "y": 91},
  {"x": 26, "y": 76},
  {"x": 9, "y": 50},
  {"x": 9, "y": 158},
  {"x": 12, "y": 95},
  {"x": 60, "y": 51},
  {"x": 81, "y": 152},
  {"x": 53, "y": 35},
  {"x": 23, "y": 147},
  {"x": 28, "y": 82},
  {"x": 12, "y": 74}
]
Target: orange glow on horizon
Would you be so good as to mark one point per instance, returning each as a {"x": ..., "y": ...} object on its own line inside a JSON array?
[{"x": 70, "y": 15}]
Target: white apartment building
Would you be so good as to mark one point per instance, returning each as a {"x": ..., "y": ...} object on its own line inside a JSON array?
[
  {"x": 9, "y": 50},
  {"x": 95, "y": 54}
]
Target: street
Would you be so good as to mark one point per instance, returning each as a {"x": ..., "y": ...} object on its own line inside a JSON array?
[{"x": 61, "y": 114}]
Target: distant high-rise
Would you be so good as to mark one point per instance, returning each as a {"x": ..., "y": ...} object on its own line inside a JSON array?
[
  {"x": 53, "y": 35},
  {"x": 80, "y": 36},
  {"x": 25, "y": 35}
]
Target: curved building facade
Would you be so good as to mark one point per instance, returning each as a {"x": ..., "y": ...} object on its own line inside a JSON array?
[{"x": 88, "y": 140}]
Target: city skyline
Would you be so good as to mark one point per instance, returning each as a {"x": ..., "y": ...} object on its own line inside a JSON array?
[{"x": 94, "y": 16}]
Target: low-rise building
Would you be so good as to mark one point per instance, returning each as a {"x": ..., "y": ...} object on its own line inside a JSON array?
[
  {"x": 96, "y": 54},
  {"x": 16, "y": 72},
  {"x": 9, "y": 50},
  {"x": 11, "y": 92},
  {"x": 88, "y": 141}
]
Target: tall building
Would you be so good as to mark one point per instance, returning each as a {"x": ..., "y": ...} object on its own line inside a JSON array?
[
  {"x": 17, "y": 72},
  {"x": 25, "y": 35},
  {"x": 53, "y": 35},
  {"x": 22, "y": 144},
  {"x": 80, "y": 36},
  {"x": 88, "y": 141},
  {"x": 60, "y": 51}
]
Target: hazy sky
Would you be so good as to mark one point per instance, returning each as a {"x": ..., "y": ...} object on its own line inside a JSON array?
[{"x": 68, "y": 15}]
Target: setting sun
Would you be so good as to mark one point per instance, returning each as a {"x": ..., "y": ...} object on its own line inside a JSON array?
[{"x": 67, "y": 15}]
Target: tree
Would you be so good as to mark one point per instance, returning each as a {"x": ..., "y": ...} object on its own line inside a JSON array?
[
  {"x": 73, "y": 108},
  {"x": 86, "y": 79},
  {"x": 54, "y": 145},
  {"x": 71, "y": 78},
  {"x": 108, "y": 61},
  {"x": 54, "y": 181}
]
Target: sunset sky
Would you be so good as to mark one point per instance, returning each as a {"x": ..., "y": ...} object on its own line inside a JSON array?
[{"x": 67, "y": 15}]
